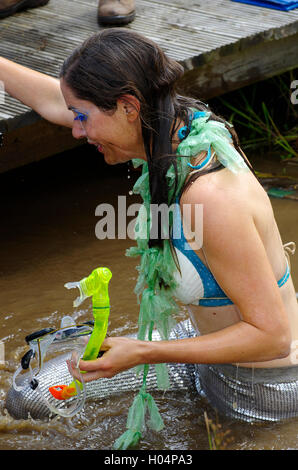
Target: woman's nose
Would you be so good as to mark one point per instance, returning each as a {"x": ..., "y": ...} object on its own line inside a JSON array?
[{"x": 78, "y": 131}]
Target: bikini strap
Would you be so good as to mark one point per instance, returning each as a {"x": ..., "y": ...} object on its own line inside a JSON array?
[{"x": 289, "y": 249}]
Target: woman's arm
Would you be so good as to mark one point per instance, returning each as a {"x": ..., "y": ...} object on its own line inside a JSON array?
[
  {"x": 37, "y": 90},
  {"x": 238, "y": 260}
]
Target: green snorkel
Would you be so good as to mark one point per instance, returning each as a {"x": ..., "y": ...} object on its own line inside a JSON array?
[{"x": 96, "y": 286}]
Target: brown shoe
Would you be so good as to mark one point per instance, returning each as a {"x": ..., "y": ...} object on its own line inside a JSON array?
[
  {"x": 116, "y": 11},
  {"x": 9, "y": 7}
]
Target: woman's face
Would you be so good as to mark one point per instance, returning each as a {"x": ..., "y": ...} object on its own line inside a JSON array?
[{"x": 116, "y": 134}]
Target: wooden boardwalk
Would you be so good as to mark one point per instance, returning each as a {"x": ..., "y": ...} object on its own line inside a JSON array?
[{"x": 223, "y": 46}]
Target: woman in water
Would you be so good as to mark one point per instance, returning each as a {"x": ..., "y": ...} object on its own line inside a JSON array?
[{"x": 118, "y": 91}]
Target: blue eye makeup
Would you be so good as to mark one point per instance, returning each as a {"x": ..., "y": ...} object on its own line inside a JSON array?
[{"x": 80, "y": 116}]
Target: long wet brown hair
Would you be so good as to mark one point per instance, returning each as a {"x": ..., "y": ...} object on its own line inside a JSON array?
[{"x": 119, "y": 61}]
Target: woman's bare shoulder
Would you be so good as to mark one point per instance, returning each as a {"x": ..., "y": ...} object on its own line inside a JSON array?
[{"x": 216, "y": 190}]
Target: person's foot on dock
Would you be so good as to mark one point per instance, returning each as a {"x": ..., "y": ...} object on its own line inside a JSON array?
[
  {"x": 10, "y": 7},
  {"x": 115, "y": 12}
]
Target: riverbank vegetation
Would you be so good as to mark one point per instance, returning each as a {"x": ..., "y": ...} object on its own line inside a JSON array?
[{"x": 265, "y": 116}]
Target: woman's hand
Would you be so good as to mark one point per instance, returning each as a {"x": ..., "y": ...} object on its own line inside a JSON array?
[{"x": 120, "y": 354}]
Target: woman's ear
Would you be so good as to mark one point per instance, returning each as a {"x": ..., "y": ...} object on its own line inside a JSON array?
[{"x": 130, "y": 105}]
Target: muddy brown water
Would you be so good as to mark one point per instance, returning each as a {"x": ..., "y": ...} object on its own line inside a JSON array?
[{"x": 47, "y": 238}]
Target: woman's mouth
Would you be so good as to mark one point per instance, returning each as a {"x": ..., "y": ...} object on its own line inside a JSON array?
[{"x": 98, "y": 146}]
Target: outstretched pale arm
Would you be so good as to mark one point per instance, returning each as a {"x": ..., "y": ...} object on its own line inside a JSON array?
[{"x": 37, "y": 90}]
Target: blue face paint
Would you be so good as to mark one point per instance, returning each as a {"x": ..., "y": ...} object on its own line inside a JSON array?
[{"x": 80, "y": 116}]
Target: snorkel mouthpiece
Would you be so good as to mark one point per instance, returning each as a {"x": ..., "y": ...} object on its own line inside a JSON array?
[
  {"x": 62, "y": 392},
  {"x": 96, "y": 285}
]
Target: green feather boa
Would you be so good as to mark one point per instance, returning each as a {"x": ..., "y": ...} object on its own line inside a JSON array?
[{"x": 155, "y": 281}]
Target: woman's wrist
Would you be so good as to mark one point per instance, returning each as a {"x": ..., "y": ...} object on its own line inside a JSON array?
[
  {"x": 149, "y": 352},
  {"x": 157, "y": 352}
]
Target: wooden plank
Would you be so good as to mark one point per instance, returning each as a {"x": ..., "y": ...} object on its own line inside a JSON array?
[
  {"x": 223, "y": 71},
  {"x": 222, "y": 45}
]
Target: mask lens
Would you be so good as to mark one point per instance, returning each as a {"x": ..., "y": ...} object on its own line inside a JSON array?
[{"x": 54, "y": 349}]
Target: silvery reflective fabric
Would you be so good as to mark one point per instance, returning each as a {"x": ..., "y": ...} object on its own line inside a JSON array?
[{"x": 248, "y": 394}]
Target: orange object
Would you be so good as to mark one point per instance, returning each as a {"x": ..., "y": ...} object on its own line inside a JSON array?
[{"x": 62, "y": 392}]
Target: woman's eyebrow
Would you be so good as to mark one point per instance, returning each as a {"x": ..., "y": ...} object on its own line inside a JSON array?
[{"x": 76, "y": 110}]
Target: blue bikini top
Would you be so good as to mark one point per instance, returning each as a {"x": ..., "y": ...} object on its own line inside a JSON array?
[{"x": 196, "y": 283}]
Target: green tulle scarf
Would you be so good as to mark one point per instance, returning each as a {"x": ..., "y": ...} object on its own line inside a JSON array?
[{"x": 155, "y": 282}]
